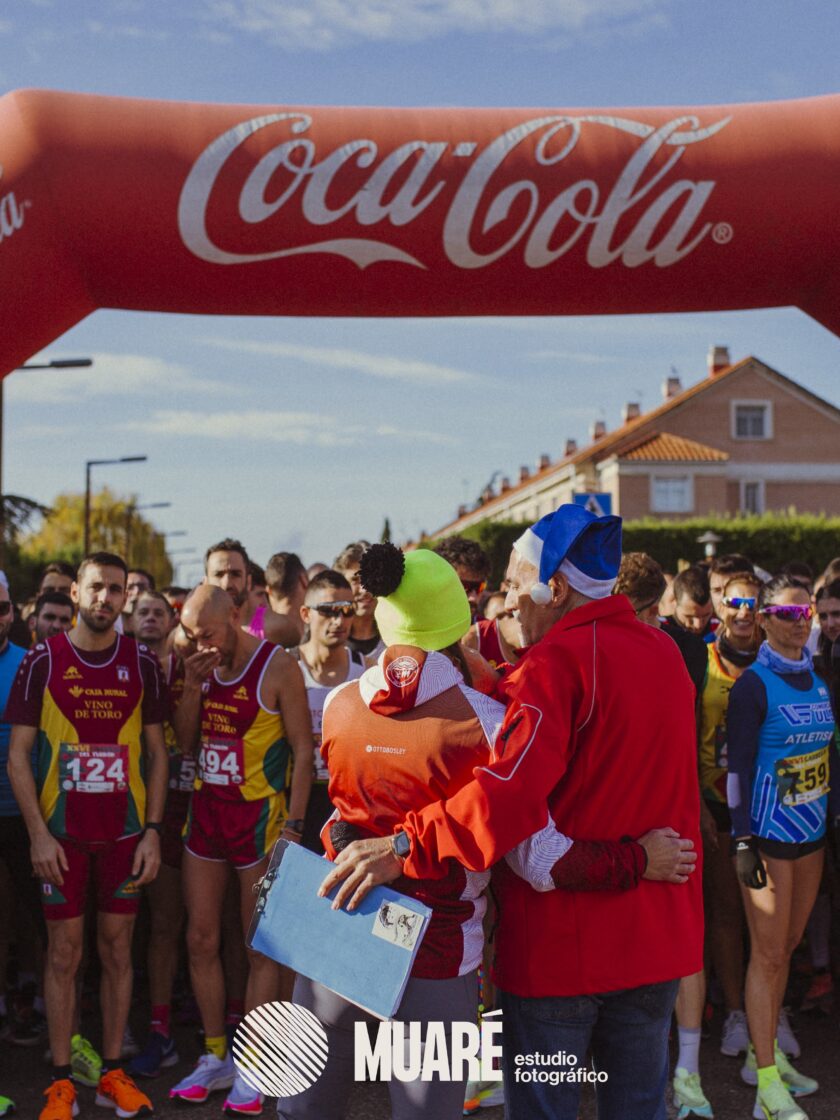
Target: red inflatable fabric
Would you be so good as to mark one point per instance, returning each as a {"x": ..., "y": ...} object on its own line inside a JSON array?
[{"x": 267, "y": 210}]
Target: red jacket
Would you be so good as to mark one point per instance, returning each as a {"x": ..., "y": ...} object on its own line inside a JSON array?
[{"x": 601, "y": 726}]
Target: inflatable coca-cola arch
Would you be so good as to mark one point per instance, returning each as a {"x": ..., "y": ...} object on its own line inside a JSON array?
[{"x": 267, "y": 210}]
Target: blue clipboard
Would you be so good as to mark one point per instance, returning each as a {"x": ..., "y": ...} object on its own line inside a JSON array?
[{"x": 364, "y": 955}]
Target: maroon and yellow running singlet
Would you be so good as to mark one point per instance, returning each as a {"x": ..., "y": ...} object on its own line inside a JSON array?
[
  {"x": 243, "y": 753},
  {"x": 90, "y": 715}
]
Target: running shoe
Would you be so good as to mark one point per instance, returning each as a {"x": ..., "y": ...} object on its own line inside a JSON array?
[
  {"x": 483, "y": 1094},
  {"x": 85, "y": 1062},
  {"x": 735, "y": 1038},
  {"x": 820, "y": 994},
  {"x": 129, "y": 1048},
  {"x": 61, "y": 1101},
  {"x": 7, "y": 1106},
  {"x": 160, "y": 1053},
  {"x": 116, "y": 1090},
  {"x": 776, "y": 1103},
  {"x": 243, "y": 1099},
  {"x": 211, "y": 1073},
  {"x": 785, "y": 1036},
  {"x": 30, "y": 1028},
  {"x": 689, "y": 1095},
  {"x": 796, "y": 1083}
]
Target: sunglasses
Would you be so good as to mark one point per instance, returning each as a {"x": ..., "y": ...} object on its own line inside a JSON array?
[
  {"x": 737, "y": 601},
  {"x": 473, "y": 586},
  {"x": 5, "y": 608},
  {"x": 334, "y": 610},
  {"x": 792, "y": 612}
]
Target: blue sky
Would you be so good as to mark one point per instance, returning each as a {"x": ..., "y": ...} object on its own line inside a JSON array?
[{"x": 305, "y": 433}]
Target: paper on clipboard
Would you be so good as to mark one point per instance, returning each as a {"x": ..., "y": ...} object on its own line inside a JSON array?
[{"x": 364, "y": 955}]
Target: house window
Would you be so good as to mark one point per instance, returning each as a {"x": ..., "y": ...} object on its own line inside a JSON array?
[
  {"x": 672, "y": 494},
  {"x": 752, "y": 497},
  {"x": 751, "y": 420}
]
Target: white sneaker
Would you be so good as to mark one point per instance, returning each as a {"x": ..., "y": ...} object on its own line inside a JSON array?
[
  {"x": 689, "y": 1096},
  {"x": 735, "y": 1038},
  {"x": 785, "y": 1036},
  {"x": 776, "y": 1103},
  {"x": 211, "y": 1073},
  {"x": 242, "y": 1099},
  {"x": 796, "y": 1083},
  {"x": 129, "y": 1048}
]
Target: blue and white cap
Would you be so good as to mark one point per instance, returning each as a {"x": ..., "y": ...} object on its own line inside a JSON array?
[{"x": 585, "y": 548}]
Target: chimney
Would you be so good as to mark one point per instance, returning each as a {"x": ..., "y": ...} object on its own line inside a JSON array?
[
  {"x": 462, "y": 511},
  {"x": 671, "y": 387},
  {"x": 718, "y": 359},
  {"x": 571, "y": 447},
  {"x": 505, "y": 486},
  {"x": 598, "y": 430},
  {"x": 524, "y": 474},
  {"x": 544, "y": 463},
  {"x": 631, "y": 411}
]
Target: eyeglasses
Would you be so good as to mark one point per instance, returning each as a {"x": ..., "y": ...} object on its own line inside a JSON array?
[
  {"x": 334, "y": 610},
  {"x": 789, "y": 612},
  {"x": 473, "y": 586},
  {"x": 737, "y": 601},
  {"x": 5, "y": 608}
]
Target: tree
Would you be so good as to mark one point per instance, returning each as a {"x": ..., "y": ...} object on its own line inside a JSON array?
[
  {"x": 386, "y": 531},
  {"x": 114, "y": 524},
  {"x": 16, "y": 516}
]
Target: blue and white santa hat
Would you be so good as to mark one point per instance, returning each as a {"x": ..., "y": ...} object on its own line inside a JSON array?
[{"x": 585, "y": 548}]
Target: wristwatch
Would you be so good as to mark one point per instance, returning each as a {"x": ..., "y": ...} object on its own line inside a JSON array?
[
  {"x": 400, "y": 845},
  {"x": 294, "y": 825},
  {"x": 153, "y": 826}
]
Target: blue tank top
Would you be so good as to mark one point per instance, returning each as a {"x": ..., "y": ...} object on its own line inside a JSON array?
[{"x": 790, "y": 775}]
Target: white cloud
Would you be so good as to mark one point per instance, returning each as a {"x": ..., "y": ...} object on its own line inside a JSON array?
[
  {"x": 110, "y": 375},
  {"x": 580, "y": 357},
  {"x": 251, "y": 425},
  {"x": 125, "y": 31},
  {"x": 359, "y": 361},
  {"x": 325, "y": 24}
]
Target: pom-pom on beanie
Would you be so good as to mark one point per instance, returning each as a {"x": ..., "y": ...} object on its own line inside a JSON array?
[{"x": 421, "y": 600}]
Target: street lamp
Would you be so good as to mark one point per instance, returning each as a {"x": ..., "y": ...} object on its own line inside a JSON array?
[
  {"x": 56, "y": 363},
  {"x": 102, "y": 463},
  {"x": 710, "y": 540},
  {"x": 130, "y": 511}
]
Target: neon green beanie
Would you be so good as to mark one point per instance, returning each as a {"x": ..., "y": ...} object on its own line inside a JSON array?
[{"x": 429, "y": 607}]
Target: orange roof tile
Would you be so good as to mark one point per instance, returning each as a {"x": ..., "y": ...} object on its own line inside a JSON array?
[{"x": 662, "y": 447}]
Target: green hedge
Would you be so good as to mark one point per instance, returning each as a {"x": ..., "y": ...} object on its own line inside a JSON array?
[{"x": 770, "y": 539}]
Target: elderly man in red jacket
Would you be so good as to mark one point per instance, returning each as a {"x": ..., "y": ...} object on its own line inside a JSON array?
[{"x": 600, "y": 728}]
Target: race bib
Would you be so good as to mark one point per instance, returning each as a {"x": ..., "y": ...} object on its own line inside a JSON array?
[
  {"x": 221, "y": 762},
  {"x": 181, "y": 771},
  {"x": 99, "y": 768},
  {"x": 803, "y": 777}
]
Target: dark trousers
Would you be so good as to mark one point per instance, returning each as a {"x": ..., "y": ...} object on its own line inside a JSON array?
[{"x": 626, "y": 1033}]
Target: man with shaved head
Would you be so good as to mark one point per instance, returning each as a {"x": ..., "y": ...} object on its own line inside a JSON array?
[{"x": 243, "y": 711}]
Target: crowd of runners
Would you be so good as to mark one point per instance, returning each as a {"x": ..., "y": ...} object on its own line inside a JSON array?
[{"x": 157, "y": 742}]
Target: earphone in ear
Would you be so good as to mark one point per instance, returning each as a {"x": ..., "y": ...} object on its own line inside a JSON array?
[{"x": 541, "y": 594}]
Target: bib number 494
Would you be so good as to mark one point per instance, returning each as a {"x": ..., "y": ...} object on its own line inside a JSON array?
[{"x": 220, "y": 762}]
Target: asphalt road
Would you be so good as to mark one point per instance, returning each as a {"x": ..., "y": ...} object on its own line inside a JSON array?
[{"x": 23, "y": 1074}]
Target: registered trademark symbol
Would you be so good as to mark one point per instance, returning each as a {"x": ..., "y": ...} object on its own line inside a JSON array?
[{"x": 722, "y": 233}]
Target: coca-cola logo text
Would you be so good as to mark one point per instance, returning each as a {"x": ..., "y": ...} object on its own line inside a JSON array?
[
  {"x": 11, "y": 214},
  {"x": 660, "y": 222}
]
